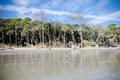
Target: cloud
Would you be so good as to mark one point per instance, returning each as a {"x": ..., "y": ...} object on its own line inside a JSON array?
[
  {"x": 75, "y": 5},
  {"x": 56, "y": 12},
  {"x": 21, "y": 2},
  {"x": 65, "y": 5},
  {"x": 52, "y": 4},
  {"x": 24, "y": 2},
  {"x": 97, "y": 7},
  {"x": 104, "y": 18},
  {"x": 23, "y": 10}
]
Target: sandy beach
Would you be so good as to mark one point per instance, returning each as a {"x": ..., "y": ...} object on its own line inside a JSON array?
[
  {"x": 35, "y": 48},
  {"x": 38, "y": 50}
]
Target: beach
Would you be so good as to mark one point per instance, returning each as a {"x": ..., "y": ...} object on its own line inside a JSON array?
[{"x": 33, "y": 50}]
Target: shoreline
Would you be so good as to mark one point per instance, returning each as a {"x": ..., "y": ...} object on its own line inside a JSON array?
[
  {"x": 34, "y": 50},
  {"x": 56, "y": 48}
]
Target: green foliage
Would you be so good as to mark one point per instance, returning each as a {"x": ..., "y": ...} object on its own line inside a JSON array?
[
  {"x": 64, "y": 28},
  {"x": 88, "y": 43},
  {"x": 70, "y": 43},
  {"x": 112, "y": 26}
]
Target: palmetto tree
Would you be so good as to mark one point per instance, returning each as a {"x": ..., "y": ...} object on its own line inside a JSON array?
[
  {"x": 25, "y": 28},
  {"x": 72, "y": 30},
  {"x": 41, "y": 15},
  {"x": 10, "y": 32},
  {"x": 2, "y": 31},
  {"x": 39, "y": 28},
  {"x": 15, "y": 23},
  {"x": 64, "y": 28}
]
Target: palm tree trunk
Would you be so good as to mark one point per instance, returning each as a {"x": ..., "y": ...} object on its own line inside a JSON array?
[
  {"x": 73, "y": 37},
  {"x": 43, "y": 34},
  {"x": 55, "y": 37},
  {"x": 3, "y": 37},
  {"x": 49, "y": 36},
  {"x": 64, "y": 39},
  {"x": 40, "y": 36},
  {"x": 10, "y": 39},
  {"x": 33, "y": 40},
  {"x": 15, "y": 37},
  {"x": 49, "y": 39},
  {"x": 27, "y": 38},
  {"x": 81, "y": 38}
]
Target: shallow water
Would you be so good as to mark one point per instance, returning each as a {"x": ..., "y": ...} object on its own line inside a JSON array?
[{"x": 60, "y": 64}]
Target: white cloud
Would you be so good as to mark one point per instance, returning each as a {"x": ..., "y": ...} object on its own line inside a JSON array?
[
  {"x": 21, "y": 2},
  {"x": 51, "y": 4},
  {"x": 23, "y": 10},
  {"x": 24, "y": 2},
  {"x": 65, "y": 5},
  {"x": 104, "y": 18},
  {"x": 75, "y": 5},
  {"x": 97, "y": 7},
  {"x": 55, "y": 12},
  {"x": 52, "y": 12}
]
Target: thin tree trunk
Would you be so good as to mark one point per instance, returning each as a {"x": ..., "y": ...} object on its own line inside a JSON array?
[
  {"x": 49, "y": 39},
  {"x": 27, "y": 38},
  {"x": 33, "y": 41},
  {"x": 43, "y": 34},
  {"x": 15, "y": 37},
  {"x": 49, "y": 36},
  {"x": 74, "y": 41},
  {"x": 20, "y": 40},
  {"x": 10, "y": 39},
  {"x": 55, "y": 37},
  {"x": 40, "y": 36},
  {"x": 3, "y": 37},
  {"x": 81, "y": 44},
  {"x": 97, "y": 39},
  {"x": 64, "y": 39}
]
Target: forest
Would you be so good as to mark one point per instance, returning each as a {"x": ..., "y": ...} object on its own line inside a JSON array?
[{"x": 27, "y": 32}]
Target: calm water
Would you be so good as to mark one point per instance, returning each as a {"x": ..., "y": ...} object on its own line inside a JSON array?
[{"x": 60, "y": 65}]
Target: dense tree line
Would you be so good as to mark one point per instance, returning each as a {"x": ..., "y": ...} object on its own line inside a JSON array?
[{"x": 25, "y": 32}]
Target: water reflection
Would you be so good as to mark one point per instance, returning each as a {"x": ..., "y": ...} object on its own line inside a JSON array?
[{"x": 60, "y": 65}]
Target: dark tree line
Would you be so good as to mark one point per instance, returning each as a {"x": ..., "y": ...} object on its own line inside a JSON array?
[{"x": 25, "y": 32}]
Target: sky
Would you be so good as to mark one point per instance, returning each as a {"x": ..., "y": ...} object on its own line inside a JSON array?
[{"x": 101, "y": 12}]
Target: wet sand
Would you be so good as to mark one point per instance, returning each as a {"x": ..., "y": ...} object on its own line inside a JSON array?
[{"x": 38, "y": 50}]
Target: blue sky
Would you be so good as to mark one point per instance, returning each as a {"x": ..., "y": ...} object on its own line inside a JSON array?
[{"x": 101, "y": 12}]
